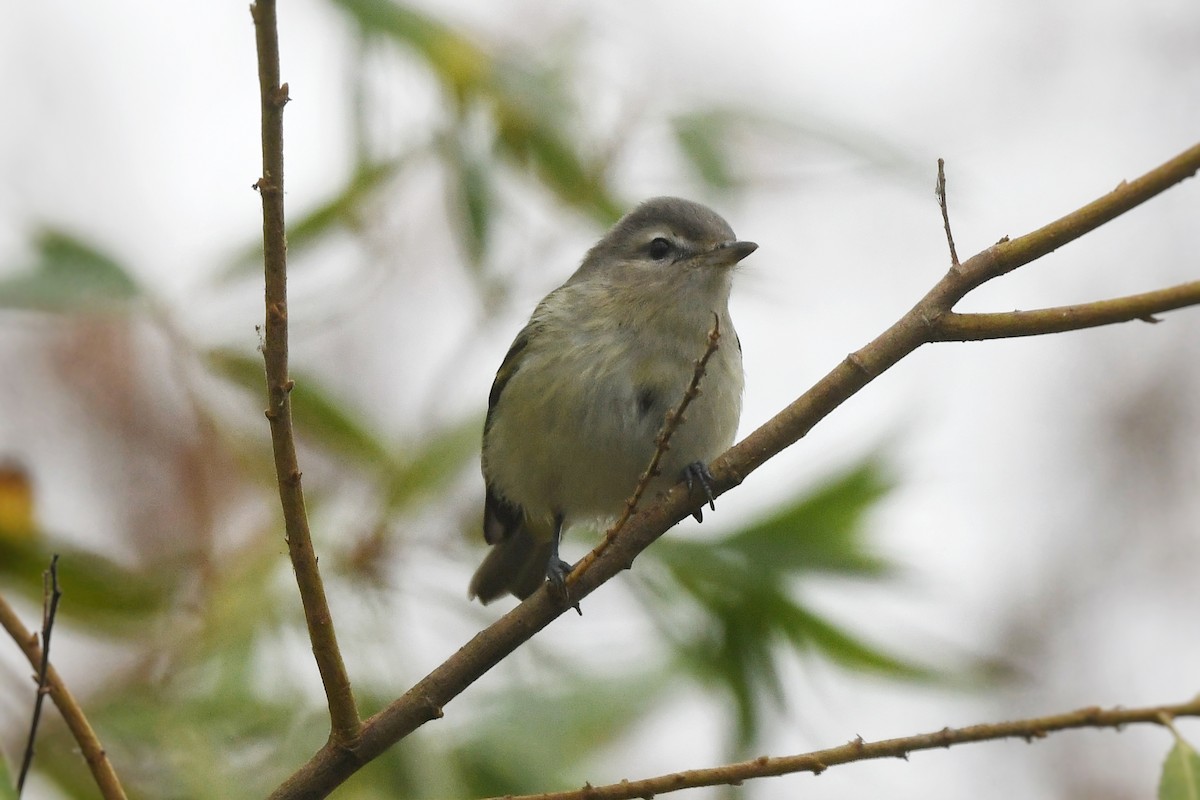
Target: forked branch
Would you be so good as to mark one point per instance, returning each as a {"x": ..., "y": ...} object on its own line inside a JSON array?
[{"x": 332, "y": 765}]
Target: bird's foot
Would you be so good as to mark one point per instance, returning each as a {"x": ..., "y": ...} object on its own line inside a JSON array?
[
  {"x": 697, "y": 472},
  {"x": 557, "y": 571}
]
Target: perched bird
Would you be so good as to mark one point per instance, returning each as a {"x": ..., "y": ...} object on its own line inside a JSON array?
[{"x": 584, "y": 390}]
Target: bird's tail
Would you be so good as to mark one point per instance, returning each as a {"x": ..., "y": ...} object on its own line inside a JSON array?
[{"x": 516, "y": 565}]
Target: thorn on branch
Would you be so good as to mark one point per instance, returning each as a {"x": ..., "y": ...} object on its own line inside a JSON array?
[
  {"x": 1150, "y": 318},
  {"x": 856, "y": 361},
  {"x": 265, "y": 185}
]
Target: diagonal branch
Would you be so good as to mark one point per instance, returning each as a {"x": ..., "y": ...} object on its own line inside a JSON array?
[
  {"x": 1030, "y": 730},
  {"x": 332, "y": 765},
  {"x": 343, "y": 715},
  {"x": 89, "y": 744},
  {"x": 919, "y": 325}
]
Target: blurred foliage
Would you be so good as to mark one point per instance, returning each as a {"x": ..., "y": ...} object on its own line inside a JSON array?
[
  {"x": 105, "y": 597},
  {"x": 212, "y": 695},
  {"x": 1180, "y": 778},
  {"x": 68, "y": 275},
  {"x": 740, "y": 588}
]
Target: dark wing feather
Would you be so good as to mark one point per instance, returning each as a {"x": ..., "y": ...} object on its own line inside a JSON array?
[{"x": 508, "y": 368}]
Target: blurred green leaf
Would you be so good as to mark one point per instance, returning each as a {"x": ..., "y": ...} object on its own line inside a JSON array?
[
  {"x": 8, "y": 783},
  {"x": 808, "y": 630},
  {"x": 97, "y": 592},
  {"x": 230, "y": 739},
  {"x": 341, "y": 210},
  {"x": 1180, "y": 779},
  {"x": 317, "y": 415},
  {"x": 405, "y": 476},
  {"x": 436, "y": 460},
  {"x": 535, "y": 125},
  {"x": 69, "y": 275},
  {"x": 471, "y": 198},
  {"x": 822, "y": 531},
  {"x": 742, "y": 608},
  {"x": 703, "y": 138},
  {"x": 710, "y": 139},
  {"x": 582, "y": 716}
]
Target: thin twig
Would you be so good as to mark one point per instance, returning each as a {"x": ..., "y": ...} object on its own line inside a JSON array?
[
  {"x": 332, "y": 765},
  {"x": 89, "y": 744},
  {"x": 953, "y": 327},
  {"x": 1031, "y": 730},
  {"x": 662, "y": 443},
  {"x": 343, "y": 714},
  {"x": 50, "y": 597},
  {"x": 940, "y": 189}
]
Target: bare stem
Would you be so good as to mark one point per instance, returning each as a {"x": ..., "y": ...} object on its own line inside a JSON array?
[
  {"x": 942, "y": 203},
  {"x": 343, "y": 714},
  {"x": 1031, "y": 730},
  {"x": 973, "y": 327},
  {"x": 51, "y": 594},
  {"x": 77, "y": 723}
]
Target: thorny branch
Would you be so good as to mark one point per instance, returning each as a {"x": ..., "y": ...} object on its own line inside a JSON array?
[{"x": 1031, "y": 730}]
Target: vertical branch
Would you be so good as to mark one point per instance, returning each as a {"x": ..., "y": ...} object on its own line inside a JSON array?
[
  {"x": 50, "y": 597},
  {"x": 940, "y": 190},
  {"x": 344, "y": 721}
]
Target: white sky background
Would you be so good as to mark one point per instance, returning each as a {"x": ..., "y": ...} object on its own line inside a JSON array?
[{"x": 135, "y": 124}]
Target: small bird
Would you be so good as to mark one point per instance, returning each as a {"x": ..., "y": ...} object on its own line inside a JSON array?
[{"x": 584, "y": 390}]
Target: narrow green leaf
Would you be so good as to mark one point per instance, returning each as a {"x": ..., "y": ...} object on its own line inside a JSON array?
[
  {"x": 69, "y": 275},
  {"x": 1180, "y": 778},
  {"x": 455, "y": 58},
  {"x": 436, "y": 460},
  {"x": 8, "y": 783},
  {"x": 535, "y": 124},
  {"x": 471, "y": 198},
  {"x": 703, "y": 138},
  {"x": 96, "y": 591},
  {"x": 821, "y": 532},
  {"x": 807, "y": 629},
  {"x": 583, "y": 716},
  {"x": 708, "y": 138},
  {"x": 343, "y": 209},
  {"x": 319, "y": 417}
]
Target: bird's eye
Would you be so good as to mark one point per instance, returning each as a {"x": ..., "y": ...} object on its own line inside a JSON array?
[{"x": 659, "y": 248}]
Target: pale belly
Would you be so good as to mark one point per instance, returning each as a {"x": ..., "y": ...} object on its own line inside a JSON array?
[{"x": 577, "y": 444}]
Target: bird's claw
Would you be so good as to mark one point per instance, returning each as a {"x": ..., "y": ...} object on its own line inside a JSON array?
[
  {"x": 698, "y": 472},
  {"x": 556, "y": 572}
]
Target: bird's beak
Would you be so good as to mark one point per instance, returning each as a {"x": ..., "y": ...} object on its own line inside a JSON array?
[{"x": 724, "y": 255}]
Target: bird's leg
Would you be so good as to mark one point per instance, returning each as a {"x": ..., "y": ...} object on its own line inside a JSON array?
[
  {"x": 697, "y": 472},
  {"x": 557, "y": 570}
]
